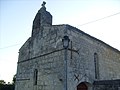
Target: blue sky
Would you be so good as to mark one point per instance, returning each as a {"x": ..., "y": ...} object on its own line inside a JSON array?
[{"x": 16, "y": 17}]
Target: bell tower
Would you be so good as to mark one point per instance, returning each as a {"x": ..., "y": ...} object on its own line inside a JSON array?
[{"x": 42, "y": 18}]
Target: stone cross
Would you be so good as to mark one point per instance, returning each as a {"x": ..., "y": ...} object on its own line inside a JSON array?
[{"x": 43, "y": 4}]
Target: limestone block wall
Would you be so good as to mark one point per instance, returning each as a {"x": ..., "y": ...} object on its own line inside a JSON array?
[
  {"x": 81, "y": 59},
  {"x": 109, "y": 64},
  {"x": 43, "y": 52},
  {"x": 107, "y": 85},
  {"x": 82, "y": 65}
]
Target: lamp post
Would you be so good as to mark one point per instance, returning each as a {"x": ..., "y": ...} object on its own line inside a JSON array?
[{"x": 65, "y": 41}]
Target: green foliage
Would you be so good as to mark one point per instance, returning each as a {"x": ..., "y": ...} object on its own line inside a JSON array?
[
  {"x": 2, "y": 82},
  {"x": 14, "y": 79},
  {"x": 6, "y": 87}
]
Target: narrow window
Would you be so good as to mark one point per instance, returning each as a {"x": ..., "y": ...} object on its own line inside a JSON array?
[
  {"x": 35, "y": 76},
  {"x": 96, "y": 63}
]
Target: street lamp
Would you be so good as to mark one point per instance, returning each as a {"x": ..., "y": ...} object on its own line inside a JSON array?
[{"x": 65, "y": 41}]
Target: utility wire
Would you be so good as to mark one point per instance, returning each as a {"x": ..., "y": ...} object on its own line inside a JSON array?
[
  {"x": 99, "y": 19},
  {"x": 79, "y": 25},
  {"x": 10, "y": 46}
]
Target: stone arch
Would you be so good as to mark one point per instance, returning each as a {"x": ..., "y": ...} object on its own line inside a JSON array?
[{"x": 84, "y": 86}]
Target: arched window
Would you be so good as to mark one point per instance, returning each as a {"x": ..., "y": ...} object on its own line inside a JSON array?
[
  {"x": 96, "y": 63},
  {"x": 35, "y": 76}
]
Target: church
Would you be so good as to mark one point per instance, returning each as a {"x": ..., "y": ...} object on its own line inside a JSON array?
[{"x": 62, "y": 57}]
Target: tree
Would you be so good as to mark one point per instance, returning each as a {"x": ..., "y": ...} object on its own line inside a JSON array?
[
  {"x": 14, "y": 79},
  {"x": 4, "y": 86},
  {"x": 2, "y": 82}
]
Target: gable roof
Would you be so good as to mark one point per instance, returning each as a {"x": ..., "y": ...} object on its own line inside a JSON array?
[{"x": 98, "y": 40}]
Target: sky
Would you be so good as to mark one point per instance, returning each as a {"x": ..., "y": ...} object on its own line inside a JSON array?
[{"x": 99, "y": 18}]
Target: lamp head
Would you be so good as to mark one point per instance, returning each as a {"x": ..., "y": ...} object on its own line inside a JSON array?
[{"x": 65, "y": 41}]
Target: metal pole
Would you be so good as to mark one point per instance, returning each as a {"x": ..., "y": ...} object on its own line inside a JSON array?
[{"x": 66, "y": 68}]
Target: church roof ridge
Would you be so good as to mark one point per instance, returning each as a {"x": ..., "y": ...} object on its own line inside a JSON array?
[{"x": 96, "y": 39}]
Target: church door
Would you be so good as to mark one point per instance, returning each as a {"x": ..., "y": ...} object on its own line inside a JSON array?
[{"x": 82, "y": 86}]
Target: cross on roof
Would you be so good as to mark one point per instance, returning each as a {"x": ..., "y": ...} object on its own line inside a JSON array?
[{"x": 43, "y": 4}]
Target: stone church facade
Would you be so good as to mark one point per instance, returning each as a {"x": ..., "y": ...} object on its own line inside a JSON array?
[{"x": 91, "y": 63}]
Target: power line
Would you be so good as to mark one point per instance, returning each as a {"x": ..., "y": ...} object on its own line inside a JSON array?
[
  {"x": 99, "y": 19},
  {"x": 10, "y": 46},
  {"x": 79, "y": 25}
]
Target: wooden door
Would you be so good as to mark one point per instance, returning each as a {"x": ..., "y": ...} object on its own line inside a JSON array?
[{"x": 82, "y": 86}]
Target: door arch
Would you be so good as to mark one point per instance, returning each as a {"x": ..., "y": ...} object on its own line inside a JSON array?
[{"x": 82, "y": 86}]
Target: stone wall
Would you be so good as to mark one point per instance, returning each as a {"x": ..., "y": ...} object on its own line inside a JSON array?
[
  {"x": 81, "y": 59},
  {"x": 107, "y": 85},
  {"x": 44, "y": 52}
]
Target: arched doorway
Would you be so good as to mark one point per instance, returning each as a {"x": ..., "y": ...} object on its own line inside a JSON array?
[{"x": 82, "y": 86}]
